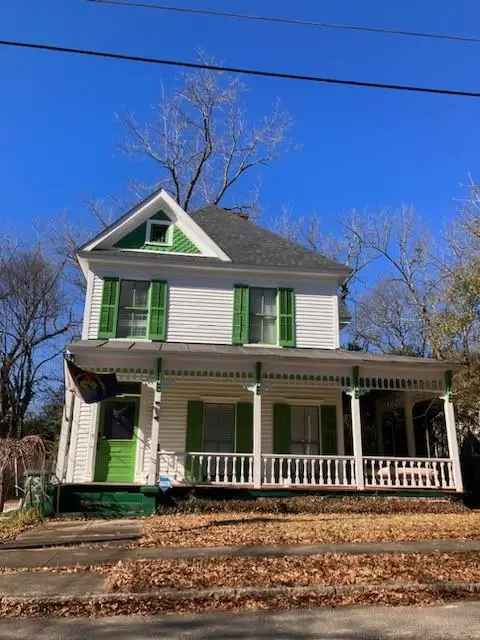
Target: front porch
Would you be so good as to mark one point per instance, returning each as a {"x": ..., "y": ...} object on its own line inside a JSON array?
[
  {"x": 333, "y": 473},
  {"x": 269, "y": 419}
]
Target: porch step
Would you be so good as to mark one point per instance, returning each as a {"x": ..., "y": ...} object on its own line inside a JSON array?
[{"x": 108, "y": 500}]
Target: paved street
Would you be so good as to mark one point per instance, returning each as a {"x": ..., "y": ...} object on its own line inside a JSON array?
[{"x": 457, "y": 620}]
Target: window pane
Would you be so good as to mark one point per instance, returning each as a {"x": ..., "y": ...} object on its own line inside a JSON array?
[
  {"x": 219, "y": 428},
  {"x": 158, "y": 233},
  {"x": 263, "y": 316},
  {"x": 270, "y": 302},
  {"x": 132, "y": 324},
  {"x": 134, "y": 294},
  {"x": 255, "y": 329},
  {"x": 269, "y": 331},
  {"x": 256, "y": 301},
  {"x": 119, "y": 420}
]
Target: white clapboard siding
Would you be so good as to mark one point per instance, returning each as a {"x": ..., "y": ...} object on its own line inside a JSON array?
[
  {"x": 316, "y": 321},
  {"x": 200, "y": 309},
  {"x": 200, "y": 314}
]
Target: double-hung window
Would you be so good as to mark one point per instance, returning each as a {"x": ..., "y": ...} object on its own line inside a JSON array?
[
  {"x": 263, "y": 316},
  {"x": 133, "y": 309},
  {"x": 219, "y": 428}
]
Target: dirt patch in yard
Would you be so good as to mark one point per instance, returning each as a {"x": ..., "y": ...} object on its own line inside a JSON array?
[{"x": 186, "y": 530}]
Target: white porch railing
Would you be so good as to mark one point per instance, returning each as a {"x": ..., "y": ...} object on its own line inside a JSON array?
[
  {"x": 308, "y": 471},
  {"x": 277, "y": 470},
  {"x": 207, "y": 468},
  {"x": 408, "y": 473}
]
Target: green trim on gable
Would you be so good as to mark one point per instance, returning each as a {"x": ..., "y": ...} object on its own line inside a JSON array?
[
  {"x": 136, "y": 239},
  {"x": 180, "y": 244}
]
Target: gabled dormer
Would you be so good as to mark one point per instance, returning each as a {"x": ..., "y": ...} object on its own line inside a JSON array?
[{"x": 156, "y": 225}]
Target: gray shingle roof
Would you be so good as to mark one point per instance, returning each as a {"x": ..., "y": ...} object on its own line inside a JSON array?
[{"x": 247, "y": 243}]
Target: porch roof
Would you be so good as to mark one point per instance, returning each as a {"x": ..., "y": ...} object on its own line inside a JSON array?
[{"x": 337, "y": 356}]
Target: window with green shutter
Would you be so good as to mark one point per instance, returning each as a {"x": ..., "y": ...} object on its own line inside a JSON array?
[
  {"x": 109, "y": 308},
  {"x": 157, "y": 319},
  {"x": 286, "y": 314},
  {"x": 240, "y": 334}
]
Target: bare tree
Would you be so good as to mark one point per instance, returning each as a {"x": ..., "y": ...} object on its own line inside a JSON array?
[
  {"x": 201, "y": 142},
  {"x": 35, "y": 321}
]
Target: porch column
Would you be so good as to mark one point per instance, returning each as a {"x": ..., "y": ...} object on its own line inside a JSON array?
[
  {"x": 357, "y": 430},
  {"x": 452, "y": 432},
  {"x": 157, "y": 399},
  {"x": 257, "y": 427},
  {"x": 67, "y": 420},
  {"x": 408, "y": 403}
]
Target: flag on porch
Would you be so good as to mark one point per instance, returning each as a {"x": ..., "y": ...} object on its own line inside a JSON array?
[{"x": 93, "y": 387}]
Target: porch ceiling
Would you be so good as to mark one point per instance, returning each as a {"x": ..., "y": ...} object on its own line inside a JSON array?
[{"x": 332, "y": 356}]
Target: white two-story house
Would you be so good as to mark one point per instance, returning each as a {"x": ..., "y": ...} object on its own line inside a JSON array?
[{"x": 226, "y": 341}]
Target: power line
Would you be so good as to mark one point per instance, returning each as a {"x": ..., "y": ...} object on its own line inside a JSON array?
[
  {"x": 290, "y": 21},
  {"x": 239, "y": 70}
]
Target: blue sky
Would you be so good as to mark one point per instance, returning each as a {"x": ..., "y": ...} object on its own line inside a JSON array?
[{"x": 359, "y": 148}]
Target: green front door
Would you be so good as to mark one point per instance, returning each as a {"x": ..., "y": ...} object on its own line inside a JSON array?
[{"x": 117, "y": 440}]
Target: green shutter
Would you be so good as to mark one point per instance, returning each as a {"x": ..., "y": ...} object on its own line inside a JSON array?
[
  {"x": 194, "y": 437},
  {"x": 109, "y": 309},
  {"x": 157, "y": 314},
  {"x": 240, "y": 314},
  {"x": 244, "y": 427},
  {"x": 281, "y": 428},
  {"x": 328, "y": 417},
  {"x": 286, "y": 312}
]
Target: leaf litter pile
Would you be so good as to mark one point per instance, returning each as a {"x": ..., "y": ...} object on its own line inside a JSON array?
[
  {"x": 210, "y": 530},
  {"x": 331, "y": 570},
  {"x": 236, "y": 584}
]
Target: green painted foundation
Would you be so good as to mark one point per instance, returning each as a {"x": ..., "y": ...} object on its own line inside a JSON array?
[{"x": 120, "y": 501}]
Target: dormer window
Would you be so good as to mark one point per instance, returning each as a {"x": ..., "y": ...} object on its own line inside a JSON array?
[{"x": 159, "y": 232}]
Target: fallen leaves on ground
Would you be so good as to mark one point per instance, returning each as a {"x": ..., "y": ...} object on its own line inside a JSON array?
[
  {"x": 331, "y": 570},
  {"x": 210, "y": 530},
  {"x": 233, "y": 602},
  {"x": 12, "y": 524}
]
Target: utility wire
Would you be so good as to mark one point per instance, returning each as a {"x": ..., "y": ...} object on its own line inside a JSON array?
[
  {"x": 239, "y": 70},
  {"x": 290, "y": 21}
]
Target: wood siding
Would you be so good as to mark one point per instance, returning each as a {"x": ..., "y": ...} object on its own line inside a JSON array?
[{"x": 200, "y": 308}]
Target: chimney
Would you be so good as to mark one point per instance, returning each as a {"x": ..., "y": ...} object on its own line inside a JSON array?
[{"x": 243, "y": 215}]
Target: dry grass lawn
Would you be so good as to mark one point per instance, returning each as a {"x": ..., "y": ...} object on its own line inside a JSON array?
[{"x": 210, "y": 530}]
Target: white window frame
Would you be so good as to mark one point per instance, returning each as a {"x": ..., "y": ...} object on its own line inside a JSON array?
[{"x": 161, "y": 223}]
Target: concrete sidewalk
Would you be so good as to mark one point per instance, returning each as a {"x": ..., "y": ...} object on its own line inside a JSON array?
[
  {"x": 84, "y": 556},
  {"x": 445, "y": 622},
  {"x": 63, "y": 532}
]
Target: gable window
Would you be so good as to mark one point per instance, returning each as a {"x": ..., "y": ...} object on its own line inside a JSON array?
[
  {"x": 159, "y": 232},
  {"x": 263, "y": 316},
  {"x": 133, "y": 309}
]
